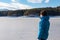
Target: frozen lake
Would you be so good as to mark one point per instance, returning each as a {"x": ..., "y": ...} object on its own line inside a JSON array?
[{"x": 18, "y": 28}]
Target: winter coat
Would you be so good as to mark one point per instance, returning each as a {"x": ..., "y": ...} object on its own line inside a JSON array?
[{"x": 44, "y": 25}]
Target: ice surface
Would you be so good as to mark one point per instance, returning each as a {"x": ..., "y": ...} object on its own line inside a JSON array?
[{"x": 18, "y": 28}]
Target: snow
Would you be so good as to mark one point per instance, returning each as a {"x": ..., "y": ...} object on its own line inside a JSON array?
[{"x": 22, "y": 28}]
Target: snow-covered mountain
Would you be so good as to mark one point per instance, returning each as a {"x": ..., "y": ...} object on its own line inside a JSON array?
[{"x": 3, "y": 9}]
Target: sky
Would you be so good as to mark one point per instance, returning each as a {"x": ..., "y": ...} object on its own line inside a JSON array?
[{"x": 27, "y": 4}]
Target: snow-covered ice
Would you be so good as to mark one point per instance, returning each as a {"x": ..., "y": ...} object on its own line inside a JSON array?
[{"x": 18, "y": 28}]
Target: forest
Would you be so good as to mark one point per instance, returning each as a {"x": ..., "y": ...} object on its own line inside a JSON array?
[{"x": 52, "y": 11}]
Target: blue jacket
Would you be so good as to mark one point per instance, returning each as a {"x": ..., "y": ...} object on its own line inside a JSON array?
[{"x": 43, "y": 27}]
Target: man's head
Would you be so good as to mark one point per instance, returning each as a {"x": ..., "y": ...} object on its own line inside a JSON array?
[{"x": 43, "y": 13}]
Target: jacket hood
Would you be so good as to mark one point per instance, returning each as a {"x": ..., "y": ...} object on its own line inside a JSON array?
[{"x": 45, "y": 18}]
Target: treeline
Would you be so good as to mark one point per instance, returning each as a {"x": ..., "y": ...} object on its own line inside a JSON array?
[
  {"x": 52, "y": 11},
  {"x": 12, "y": 13}
]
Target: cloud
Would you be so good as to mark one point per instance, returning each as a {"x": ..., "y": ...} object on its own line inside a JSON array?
[
  {"x": 38, "y": 1},
  {"x": 47, "y": 1},
  {"x": 13, "y": 0},
  {"x": 6, "y": 6},
  {"x": 13, "y": 6},
  {"x": 35, "y": 1}
]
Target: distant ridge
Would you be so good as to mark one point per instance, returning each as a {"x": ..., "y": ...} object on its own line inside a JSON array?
[{"x": 3, "y": 9}]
